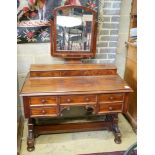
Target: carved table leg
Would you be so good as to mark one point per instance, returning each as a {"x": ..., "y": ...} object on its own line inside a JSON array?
[
  {"x": 115, "y": 129},
  {"x": 30, "y": 138}
]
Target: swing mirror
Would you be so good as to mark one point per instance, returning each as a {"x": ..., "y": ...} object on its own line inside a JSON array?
[{"x": 74, "y": 32}]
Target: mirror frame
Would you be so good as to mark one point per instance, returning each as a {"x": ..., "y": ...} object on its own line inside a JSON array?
[{"x": 68, "y": 53}]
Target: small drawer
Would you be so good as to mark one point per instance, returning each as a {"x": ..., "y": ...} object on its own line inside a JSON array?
[
  {"x": 78, "y": 99},
  {"x": 104, "y": 108},
  {"x": 119, "y": 97},
  {"x": 88, "y": 72},
  {"x": 43, "y": 100},
  {"x": 44, "y": 73},
  {"x": 43, "y": 111}
]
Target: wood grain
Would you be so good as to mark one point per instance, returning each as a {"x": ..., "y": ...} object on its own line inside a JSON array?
[
  {"x": 74, "y": 85},
  {"x": 68, "y": 53},
  {"x": 67, "y": 67},
  {"x": 43, "y": 112}
]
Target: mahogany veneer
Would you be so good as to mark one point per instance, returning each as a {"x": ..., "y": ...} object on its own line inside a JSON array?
[
  {"x": 71, "y": 70},
  {"x": 48, "y": 93}
]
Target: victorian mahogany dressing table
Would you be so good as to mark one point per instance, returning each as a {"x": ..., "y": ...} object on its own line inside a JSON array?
[{"x": 73, "y": 97}]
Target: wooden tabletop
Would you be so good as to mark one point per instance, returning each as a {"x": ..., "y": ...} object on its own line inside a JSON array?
[{"x": 74, "y": 85}]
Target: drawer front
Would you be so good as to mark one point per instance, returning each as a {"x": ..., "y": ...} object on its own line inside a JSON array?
[
  {"x": 44, "y": 73},
  {"x": 88, "y": 72},
  {"x": 78, "y": 99},
  {"x": 43, "y": 111},
  {"x": 119, "y": 97},
  {"x": 104, "y": 108},
  {"x": 43, "y": 100}
]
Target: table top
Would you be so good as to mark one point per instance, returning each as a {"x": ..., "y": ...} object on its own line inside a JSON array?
[{"x": 74, "y": 85}]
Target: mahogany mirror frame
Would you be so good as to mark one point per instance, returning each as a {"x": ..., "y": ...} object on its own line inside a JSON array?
[{"x": 73, "y": 54}]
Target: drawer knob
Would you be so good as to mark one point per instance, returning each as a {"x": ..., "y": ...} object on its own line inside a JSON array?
[
  {"x": 43, "y": 111},
  {"x": 68, "y": 100},
  {"x": 87, "y": 99},
  {"x": 111, "y": 97},
  {"x": 43, "y": 101},
  {"x": 110, "y": 108}
]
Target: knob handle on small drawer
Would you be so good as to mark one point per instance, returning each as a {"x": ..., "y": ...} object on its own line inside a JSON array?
[
  {"x": 68, "y": 100},
  {"x": 87, "y": 99},
  {"x": 43, "y": 111},
  {"x": 110, "y": 108},
  {"x": 111, "y": 97},
  {"x": 43, "y": 101}
]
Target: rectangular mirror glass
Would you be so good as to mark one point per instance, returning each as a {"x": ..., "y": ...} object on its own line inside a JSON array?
[{"x": 74, "y": 29}]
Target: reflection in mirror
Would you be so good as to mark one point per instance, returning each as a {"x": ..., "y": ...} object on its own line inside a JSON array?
[{"x": 74, "y": 28}]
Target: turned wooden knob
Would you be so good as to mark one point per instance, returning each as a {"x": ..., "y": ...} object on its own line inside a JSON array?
[
  {"x": 43, "y": 111},
  {"x": 87, "y": 99},
  {"x": 111, "y": 97},
  {"x": 110, "y": 108},
  {"x": 43, "y": 101},
  {"x": 68, "y": 100}
]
